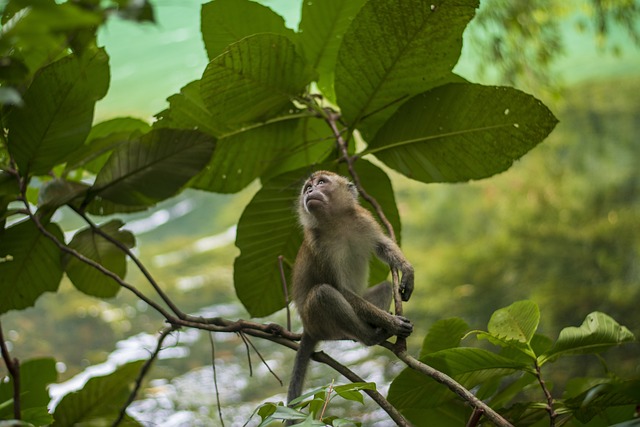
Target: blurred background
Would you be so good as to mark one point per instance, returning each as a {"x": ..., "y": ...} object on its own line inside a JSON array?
[{"x": 561, "y": 227}]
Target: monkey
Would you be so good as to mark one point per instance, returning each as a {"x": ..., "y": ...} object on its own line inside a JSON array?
[{"x": 330, "y": 273}]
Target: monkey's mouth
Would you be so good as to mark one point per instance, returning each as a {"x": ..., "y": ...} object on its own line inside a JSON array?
[{"x": 313, "y": 200}]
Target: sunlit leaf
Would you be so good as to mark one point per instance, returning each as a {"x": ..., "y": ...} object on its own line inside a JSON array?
[
  {"x": 517, "y": 322},
  {"x": 99, "y": 401},
  {"x": 153, "y": 167},
  {"x": 95, "y": 247},
  {"x": 394, "y": 50},
  {"x": 322, "y": 25},
  {"x": 58, "y": 111},
  {"x": 597, "y": 333},
  {"x": 226, "y": 21},
  {"x": 30, "y": 265},
  {"x": 462, "y": 131},
  {"x": 254, "y": 79}
]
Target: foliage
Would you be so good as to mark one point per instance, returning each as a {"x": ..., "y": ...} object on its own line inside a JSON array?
[
  {"x": 505, "y": 378},
  {"x": 271, "y": 105}
]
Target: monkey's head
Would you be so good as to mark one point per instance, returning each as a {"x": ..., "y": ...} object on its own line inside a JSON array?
[{"x": 324, "y": 195}]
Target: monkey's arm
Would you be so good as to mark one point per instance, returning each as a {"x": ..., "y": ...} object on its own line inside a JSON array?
[{"x": 388, "y": 251}]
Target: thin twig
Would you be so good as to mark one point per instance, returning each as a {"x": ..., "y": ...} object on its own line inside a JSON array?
[
  {"x": 13, "y": 367},
  {"x": 125, "y": 249},
  {"x": 326, "y": 400},
  {"x": 283, "y": 280},
  {"x": 143, "y": 373},
  {"x": 547, "y": 394},
  {"x": 475, "y": 417},
  {"x": 264, "y": 362},
  {"x": 215, "y": 377},
  {"x": 246, "y": 346}
]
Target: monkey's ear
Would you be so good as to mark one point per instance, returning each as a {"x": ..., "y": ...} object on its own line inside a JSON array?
[{"x": 353, "y": 189}]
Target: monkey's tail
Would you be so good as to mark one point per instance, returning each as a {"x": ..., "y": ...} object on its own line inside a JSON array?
[{"x": 307, "y": 346}]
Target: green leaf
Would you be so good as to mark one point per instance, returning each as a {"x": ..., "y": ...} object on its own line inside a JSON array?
[
  {"x": 153, "y": 167},
  {"x": 99, "y": 401},
  {"x": 418, "y": 396},
  {"x": 187, "y": 111},
  {"x": 462, "y": 131},
  {"x": 268, "y": 229},
  {"x": 103, "y": 138},
  {"x": 59, "y": 192},
  {"x": 254, "y": 79},
  {"x": 31, "y": 265},
  {"x": 90, "y": 244},
  {"x": 9, "y": 191},
  {"x": 58, "y": 111},
  {"x": 35, "y": 376},
  {"x": 602, "y": 396},
  {"x": 285, "y": 144},
  {"x": 444, "y": 334},
  {"x": 394, "y": 50},
  {"x": 352, "y": 391},
  {"x": 597, "y": 333},
  {"x": 322, "y": 26},
  {"x": 226, "y": 21},
  {"x": 517, "y": 322}
]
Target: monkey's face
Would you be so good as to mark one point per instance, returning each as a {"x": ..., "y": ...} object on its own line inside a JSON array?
[
  {"x": 326, "y": 193},
  {"x": 316, "y": 192}
]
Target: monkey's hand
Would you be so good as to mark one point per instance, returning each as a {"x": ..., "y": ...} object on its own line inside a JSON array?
[
  {"x": 404, "y": 327},
  {"x": 406, "y": 284}
]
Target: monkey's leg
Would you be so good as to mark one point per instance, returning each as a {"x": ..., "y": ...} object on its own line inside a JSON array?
[
  {"x": 331, "y": 317},
  {"x": 380, "y": 295}
]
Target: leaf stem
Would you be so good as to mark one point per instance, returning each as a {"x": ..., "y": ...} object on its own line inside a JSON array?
[{"x": 547, "y": 394}]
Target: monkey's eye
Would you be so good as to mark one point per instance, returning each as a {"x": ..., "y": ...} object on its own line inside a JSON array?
[
  {"x": 321, "y": 181},
  {"x": 307, "y": 187}
]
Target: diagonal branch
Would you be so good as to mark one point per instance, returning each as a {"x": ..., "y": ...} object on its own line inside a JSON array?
[{"x": 13, "y": 367}]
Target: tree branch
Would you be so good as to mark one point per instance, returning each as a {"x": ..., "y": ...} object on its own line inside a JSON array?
[
  {"x": 13, "y": 367},
  {"x": 452, "y": 384},
  {"x": 143, "y": 372},
  {"x": 547, "y": 394}
]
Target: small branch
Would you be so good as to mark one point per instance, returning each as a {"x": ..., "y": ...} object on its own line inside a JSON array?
[
  {"x": 326, "y": 401},
  {"x": 283, "y": 280},
  {"x": 143, "y": 373},
  {"x": 475, "y": 417},
  {"x": 215, "y": 377},
  {"x": 246, "y": 347},
  {"x": 264, "y": 362},
  {"x": 547, "y": 394},
  {"x": 452, "y": 384},
  {"x": 136, "y": 261},
  {"x": 13, "y": 367}
]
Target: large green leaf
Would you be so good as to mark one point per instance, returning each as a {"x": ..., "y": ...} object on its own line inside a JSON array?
[
  {"x": 99, "y": 401},
  {"x": 396, "y": 49},
  {"x": 286, "y": 144},
  {"x": 30, "y": 265},
  {"x": 322, "y": 26},
  {"x": 104, "y": 138},
  {"x": 35, "y": 376},
  {"x": 268, "y": 229},
  {"x": 444, "y": 334},
  {"x": 416, "y": 394},
  {"x": 462, "y": 131},
  {"x": 254, "y": 79},
  {"x": 153, "y": 167},
  {"x": 597, "y": 333},
  {"x": 606, "y": 394},
  {"x": 226, "y": 21},
  {"x": 58, "y": 111},
  {"x": 90, "y": 244},
  {"x": 517, "y": 322},
  {"x": 187, "y": 111}
]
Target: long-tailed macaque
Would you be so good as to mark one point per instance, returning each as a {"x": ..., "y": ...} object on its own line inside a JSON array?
[{"x": 331, "y": 272}]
